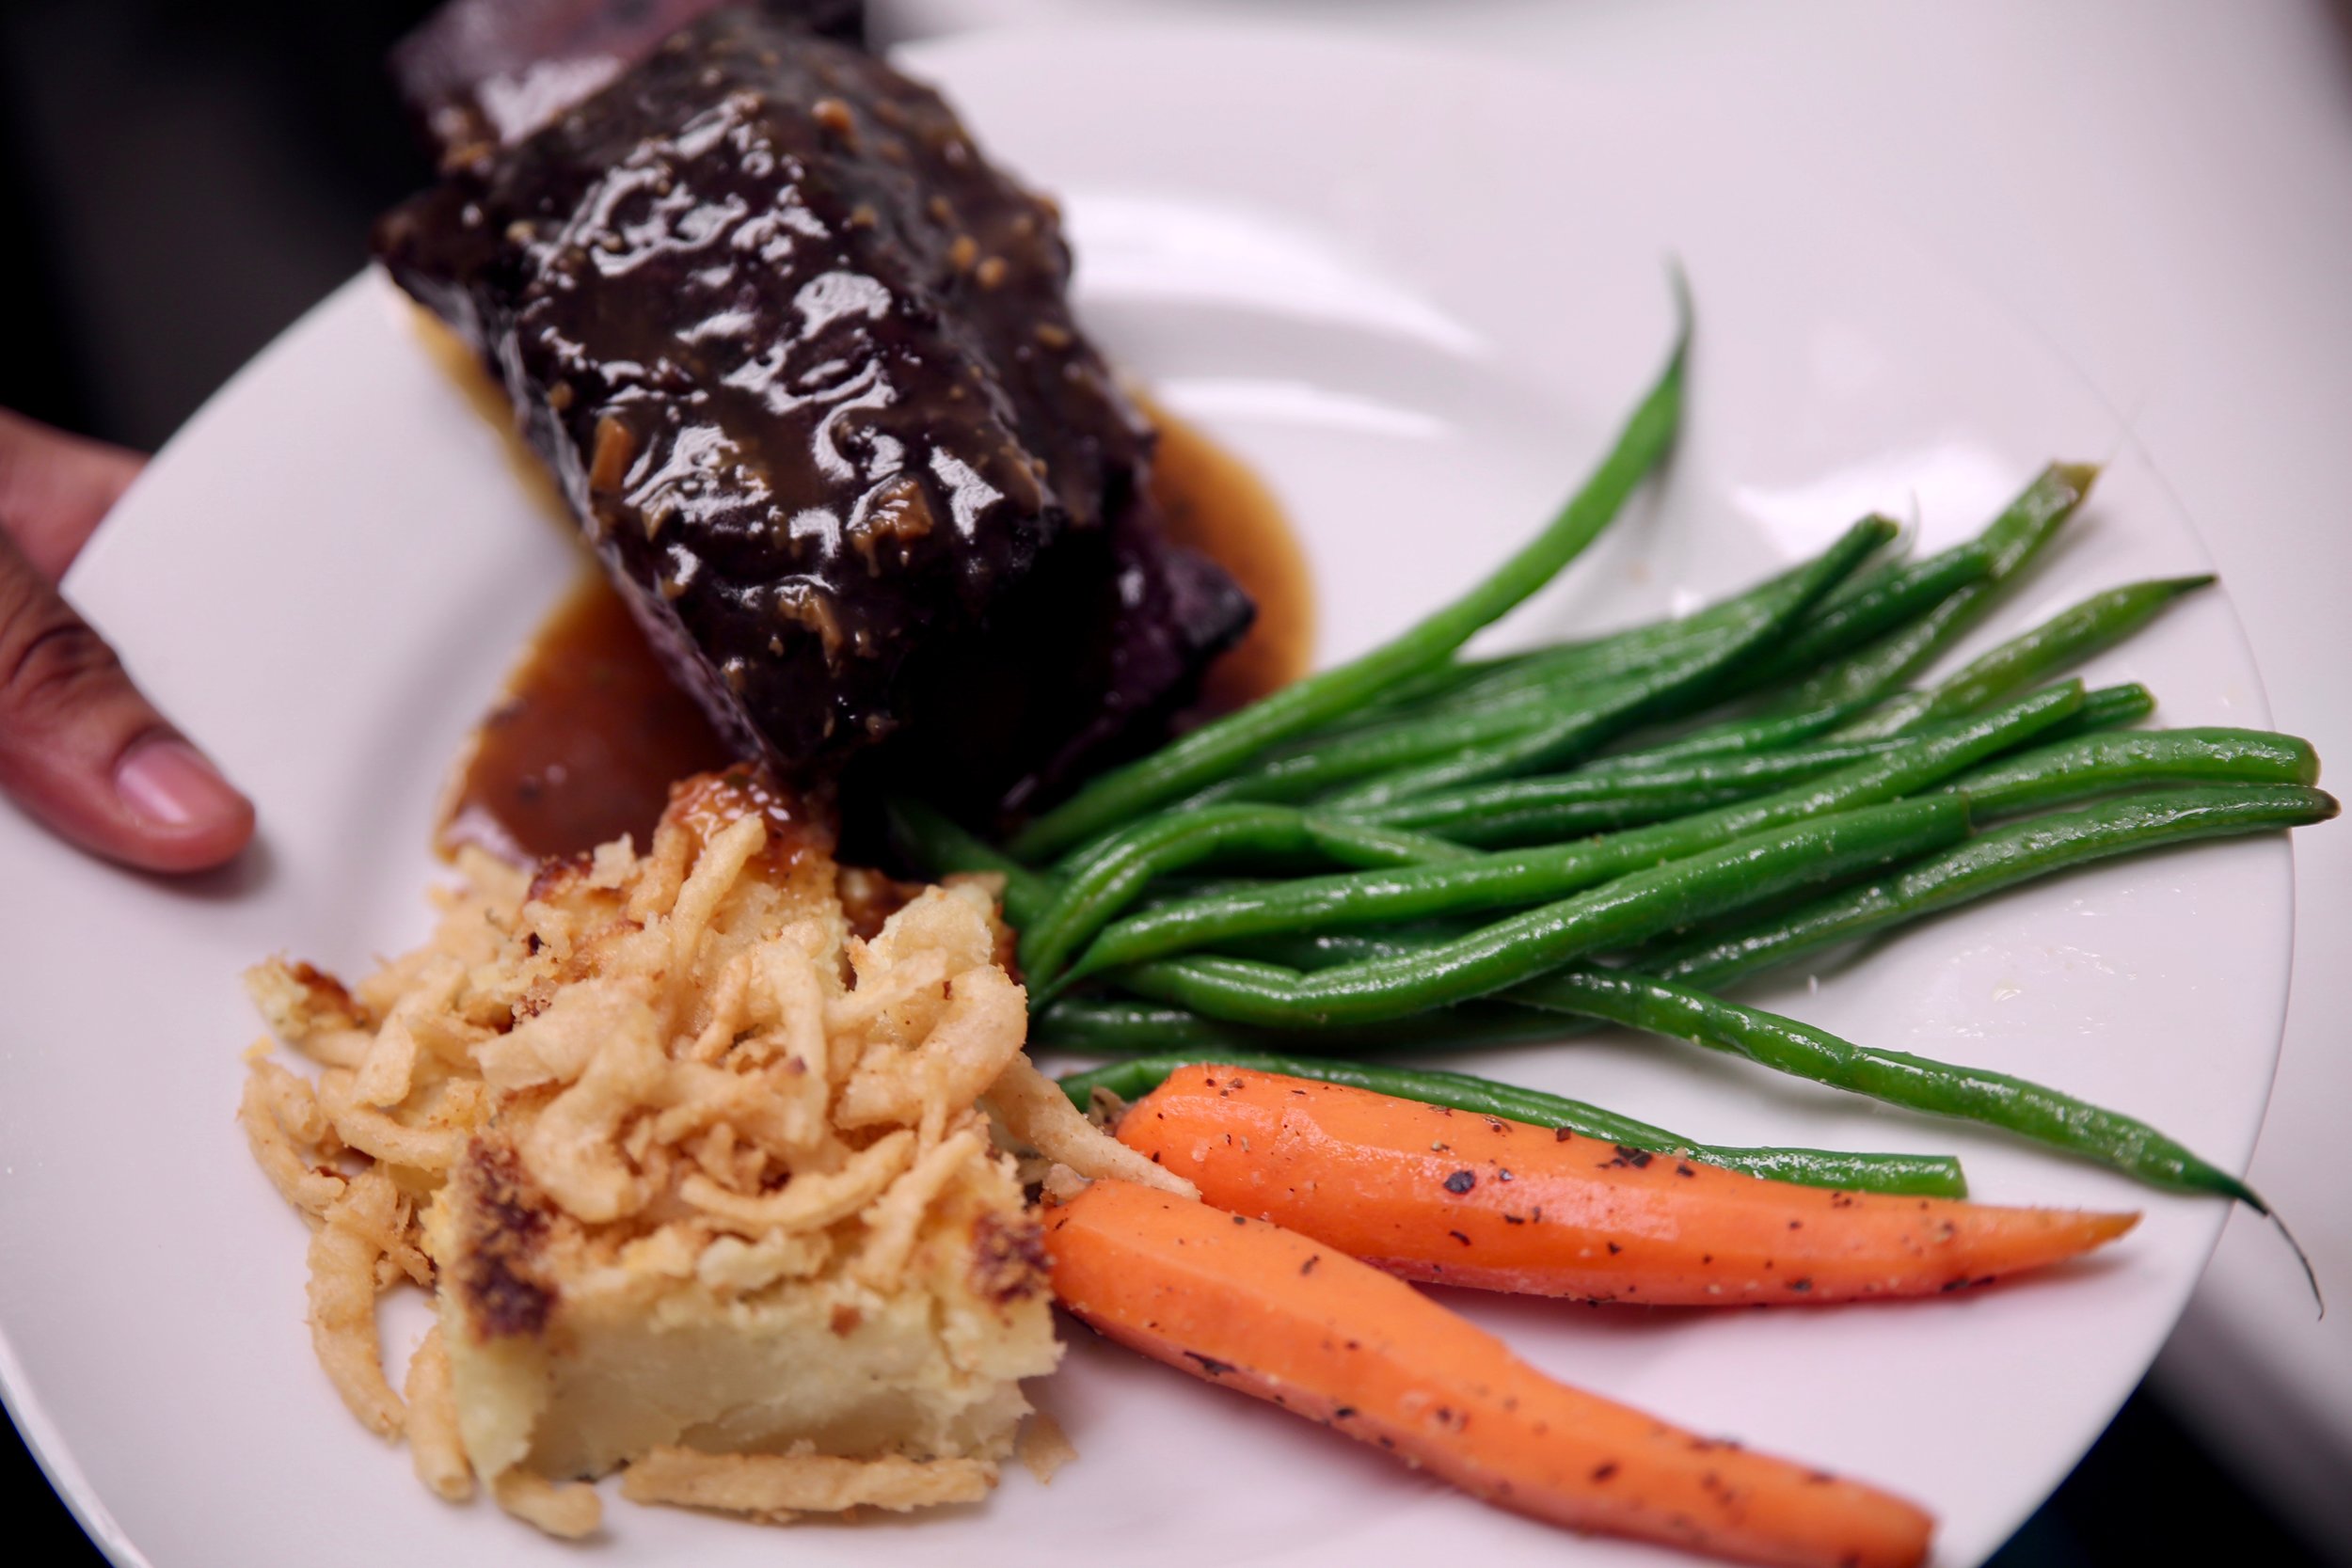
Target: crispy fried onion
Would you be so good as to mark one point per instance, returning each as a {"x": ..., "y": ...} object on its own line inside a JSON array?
[
  {"x": 434, "y": 1443},
  {"x": 354, "y": 1235},
  {"x": 1044, "y": 1447},
  {"x": 567, "y": 1510},
  {"x": 807, "y": 1202},
  {"x": 704, "y": 1079},
  {"x": 975, "y": 1034},
  {"x": 291, "y": 1138},
  {"x": 1034, "y": 1110},
  {"x": 891, "y": 1224}
]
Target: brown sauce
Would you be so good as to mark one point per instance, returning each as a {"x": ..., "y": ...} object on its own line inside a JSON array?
[
  {"x": 589, "y": 733},
  {"x": 1213, "y": 503},
  {"x": 583, "y": 744}
]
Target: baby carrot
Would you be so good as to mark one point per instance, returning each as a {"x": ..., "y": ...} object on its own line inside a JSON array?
[
  {"x": 1264, "y": 1310},
  {"x": 1435, "y": 1193}
]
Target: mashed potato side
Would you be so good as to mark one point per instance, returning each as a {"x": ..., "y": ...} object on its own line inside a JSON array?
[{"x": 704, "y": 1186}]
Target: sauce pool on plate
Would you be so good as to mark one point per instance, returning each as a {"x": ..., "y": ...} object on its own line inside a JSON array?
[
  {"x": 1212, "y": 501},
  {"x": 582, "y": 744}
]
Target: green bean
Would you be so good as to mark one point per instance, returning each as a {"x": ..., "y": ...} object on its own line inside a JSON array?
[
  {"x": 2098, "y": 623},
  {"x": 2066, "y": 639},
  {"x": 1853, "y": 613},
  {"x": 1611, "y": 656},
  {"x": 1124, "y": 1026},
  {"x": 1664, "y": 691},
  {"x": 2064, "y": 777},
  {"x": 1543, "y": 674},
  {"x": 1505, "y": 815},
  {"x": 1313, "y": 950},
  {"x": 1919, "y": 1174},
  {"x": 2012, "y": 540},
  {"x": 2104, "y": 764},
  {"x": 1215, "y": 749},
  {"x": 1437, "y": 682},
  {"x": 1597, "y": 799},
  {"x": 1515, "y": 878},
  {"x": 2016, "y": 1105},
  {"x": 1619, "y": 913},
  {"x": 1982, "y": 866},
  {"x": 1871, "y": 609},
  {"x": 1554, "y": 807},
  {"x": 1741, "y": 736},
  {"x": 2000, "y": 858},
  {"x": 1324, "y": 764},
  {"x": 1112, "y": 877},
  {"x": 2105, "y": 707},
  {"x": 1582, "y": 692},
  {"x": 1916, "y": 1082},
  {"x": 1635, "y": 649},
  {"x": 1503, "y": 678},
  {"x": 938, "y": 848}
]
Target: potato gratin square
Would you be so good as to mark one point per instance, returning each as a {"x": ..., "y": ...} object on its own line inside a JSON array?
[{"x": 706, "y": 1188}]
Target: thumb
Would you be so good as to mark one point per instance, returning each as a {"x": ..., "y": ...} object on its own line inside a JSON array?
[{"x": 82, "y": 751}]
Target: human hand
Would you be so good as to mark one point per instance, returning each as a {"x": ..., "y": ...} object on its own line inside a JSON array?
[{"x": 80, "y": 749}]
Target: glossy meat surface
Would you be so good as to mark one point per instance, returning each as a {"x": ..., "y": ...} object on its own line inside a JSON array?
[{"x": 803, "y": 364}]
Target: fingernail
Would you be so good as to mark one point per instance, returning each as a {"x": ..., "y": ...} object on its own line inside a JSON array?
[{"x": 166, "y": 783}]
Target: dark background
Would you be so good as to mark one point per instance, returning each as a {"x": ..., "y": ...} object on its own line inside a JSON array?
[{"x": 179, "y": 181}]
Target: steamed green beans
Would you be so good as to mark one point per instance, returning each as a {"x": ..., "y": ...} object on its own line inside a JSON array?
[
  {"x": 1539, "y": 716},
  {"x": 1860, "y": 608},
  {"x": 1545, "y": 671},
  {"x": 2091, "y": 765},
  {"x": 1619, "y": 913},
  {"x": 2017, "y": 1105},
  {"x": 2010, "y": 543},
  {"x": 1743, "y": 735},
  {"x": 1119, "y": 869},
  {"x": 1601, "y": 799},
  {"x": 1501, "y": 880},
  {"x": 2105, "y": 707},
  {"x": 1413, "y": 740},
  {"x": 1920, "y": 1175},
  {"x": 1857, "y": 609},
  {"x": 1550, "y": 808},
  {"x": 1872, "y": 608},
  {"x": 2063, "y": 641},
  {"x": 1987, "y": 863},
  {"x": 1215, "y": 749},
  {"x": 2030, "y": 1110},
  {"x": 1666, "y": 692},
  {"x": 925, "y": 836},
  {"x": 1129, "y": 1027}
]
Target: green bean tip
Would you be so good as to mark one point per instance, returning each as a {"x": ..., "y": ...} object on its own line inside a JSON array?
[{"x": 2077, "y": 477}]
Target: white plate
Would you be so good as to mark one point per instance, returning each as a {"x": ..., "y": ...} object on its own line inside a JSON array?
[{"x": 1417, "y": 291}]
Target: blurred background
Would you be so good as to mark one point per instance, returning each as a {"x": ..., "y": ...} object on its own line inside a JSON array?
[{"x": 179, "y": 181}]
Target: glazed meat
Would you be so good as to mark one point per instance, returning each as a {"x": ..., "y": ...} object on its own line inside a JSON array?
[{"x": 803, "y": 364}]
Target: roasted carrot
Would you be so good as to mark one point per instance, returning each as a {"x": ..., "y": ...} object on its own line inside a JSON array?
[
  {"x": 1267, "y": 1311},
  {"x": 1434, "y": 1193}
]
